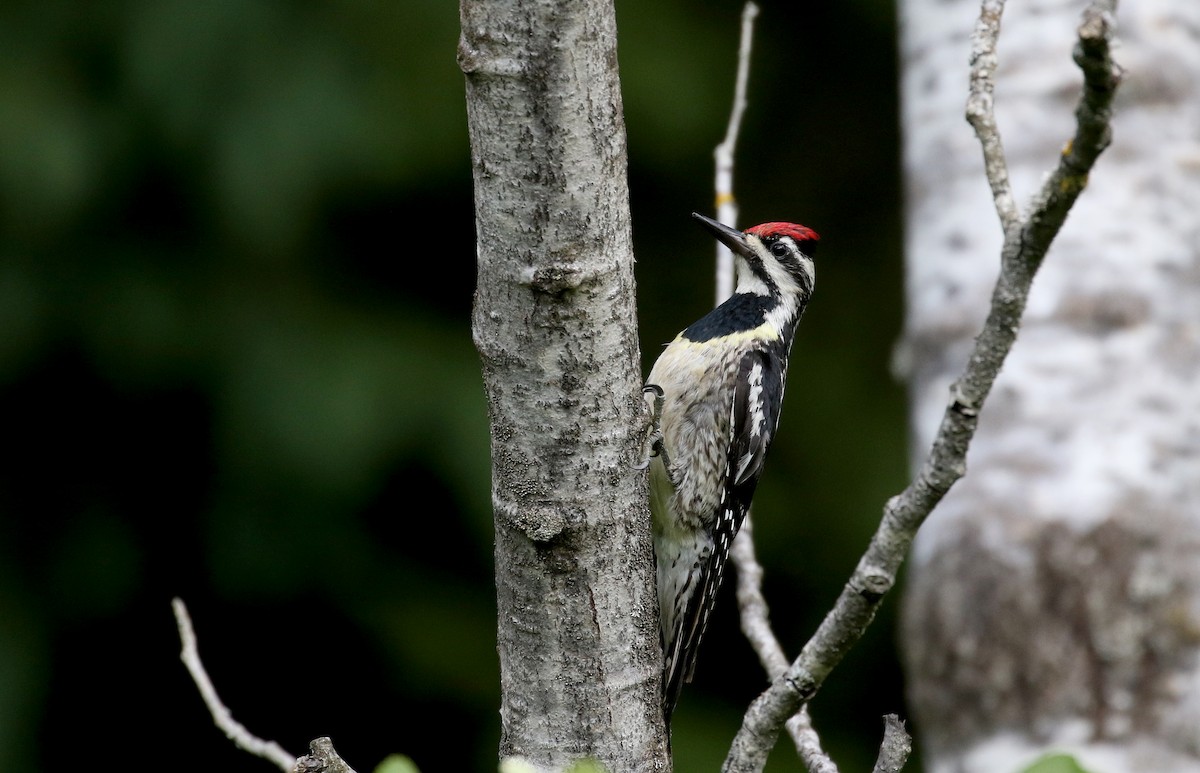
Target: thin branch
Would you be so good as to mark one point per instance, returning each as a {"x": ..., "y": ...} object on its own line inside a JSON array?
[
  {"x": 981, "y": 108},
  {"x": 1025, "y": 246},
  {"x": 752, "y": 605},
  {"x": 726, "y": 204},
  {"x": 235, "y": 731},
  {"x": 756, "y": 625},
  {"x": 1093, "y": 127}
]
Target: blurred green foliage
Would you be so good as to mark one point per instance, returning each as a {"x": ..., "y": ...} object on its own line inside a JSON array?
[
  {"x": 396, "y": 763},
  {"x": 236, "y": 268},
  {"x": 1056, "y": 762}
]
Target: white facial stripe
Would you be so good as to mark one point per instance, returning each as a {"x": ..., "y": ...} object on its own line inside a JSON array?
[
  {"x": 782, "y": 278},
  {"x": 747, "y": 280},
  {"x": 781, "y": 316},
  {"x": 785, "y": 283}
]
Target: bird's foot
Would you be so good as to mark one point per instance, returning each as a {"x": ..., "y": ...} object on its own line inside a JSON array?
[{"x": 652, "y": 446}]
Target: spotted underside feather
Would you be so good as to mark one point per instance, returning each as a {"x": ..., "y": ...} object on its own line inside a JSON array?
[{"x": 754, "y": 419}]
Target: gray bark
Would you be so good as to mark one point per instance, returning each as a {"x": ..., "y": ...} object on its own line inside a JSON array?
[
  {"x": 555, "y": 326},
  {"x": 1053, "y": 599}
]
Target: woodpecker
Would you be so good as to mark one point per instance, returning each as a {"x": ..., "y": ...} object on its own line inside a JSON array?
[{"x": 714, "y": 396}]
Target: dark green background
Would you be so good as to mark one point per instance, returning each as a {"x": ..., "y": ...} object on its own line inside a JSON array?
[{"x": 236, "y": 271}]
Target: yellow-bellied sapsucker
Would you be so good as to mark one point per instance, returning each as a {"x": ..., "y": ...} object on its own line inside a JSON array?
[{"x": 715, "y": 395}]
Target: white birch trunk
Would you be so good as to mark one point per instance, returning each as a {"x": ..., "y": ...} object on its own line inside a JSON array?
[{"x": 1053, "y": 598}]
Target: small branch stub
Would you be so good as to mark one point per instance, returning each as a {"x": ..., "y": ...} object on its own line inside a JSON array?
[
  {"x": 321, "y": 758},
  {"x": 896, "y": 746}
]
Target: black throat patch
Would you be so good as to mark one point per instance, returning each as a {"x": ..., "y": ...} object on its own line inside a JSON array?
[{"x": 742, "y": 311}]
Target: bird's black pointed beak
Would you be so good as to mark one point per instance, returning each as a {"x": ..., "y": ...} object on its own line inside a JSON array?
[{"x": 730, "y": 237}]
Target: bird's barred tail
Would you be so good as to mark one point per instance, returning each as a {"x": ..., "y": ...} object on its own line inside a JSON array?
[{"x": 691, "y": 622}]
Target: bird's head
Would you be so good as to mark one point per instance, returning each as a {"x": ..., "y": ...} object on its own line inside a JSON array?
[{"x": 771, "y": 258}]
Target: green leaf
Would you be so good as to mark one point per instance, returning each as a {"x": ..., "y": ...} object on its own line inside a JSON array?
[
  {"x": 587, "y": 766},
  {"x": 1056, "y": 762},
  {"x": 397, "y": 763}
]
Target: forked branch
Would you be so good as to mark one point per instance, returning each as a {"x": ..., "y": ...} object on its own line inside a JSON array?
[{"x": 1026, "y": 240}]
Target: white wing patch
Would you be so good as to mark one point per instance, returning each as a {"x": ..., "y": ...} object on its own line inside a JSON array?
[{"x": 756, "y": 420}]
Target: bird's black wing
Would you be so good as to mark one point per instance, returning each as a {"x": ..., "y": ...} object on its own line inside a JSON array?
[{"x": 754, "y": 419}]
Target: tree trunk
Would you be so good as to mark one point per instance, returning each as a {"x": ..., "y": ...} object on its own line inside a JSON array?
[
  {"x": 555, "y": 326},
  {"x": 1053, "y": 598}
]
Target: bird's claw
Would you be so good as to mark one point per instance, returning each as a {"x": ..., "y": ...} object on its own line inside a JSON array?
[{"x": 653, "y": 444}]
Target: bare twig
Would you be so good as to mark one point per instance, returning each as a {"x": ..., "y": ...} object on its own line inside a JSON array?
[
  {"x": 756, "y": 625},
  {"x": 981, "y": 108},
  {"x": 1025, "y": 245},
  {"x": 726, "y": 204},
  {"x": 751, "y": 603},
  {"x": 235, "y": 731}
]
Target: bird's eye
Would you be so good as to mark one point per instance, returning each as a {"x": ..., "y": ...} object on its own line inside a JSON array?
[{"x": 779, "y": 249}]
